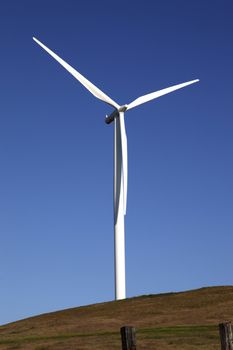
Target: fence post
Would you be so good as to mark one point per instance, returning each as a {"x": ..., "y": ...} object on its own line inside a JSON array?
[
  {"x": 225, "y": 331},
  {"x": 128, "y": 338}
]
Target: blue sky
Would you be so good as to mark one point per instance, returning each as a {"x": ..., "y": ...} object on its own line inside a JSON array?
[{"x": 56, "y": 152}]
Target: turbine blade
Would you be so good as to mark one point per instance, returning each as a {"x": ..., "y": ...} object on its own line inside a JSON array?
[
  {"x": 153, "y": 95},
  {"x": 88, "y": 85},
  {"x": 124, "y": 158}
]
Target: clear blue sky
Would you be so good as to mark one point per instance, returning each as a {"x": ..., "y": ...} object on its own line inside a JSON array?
[{"x": 56, "y": 152}]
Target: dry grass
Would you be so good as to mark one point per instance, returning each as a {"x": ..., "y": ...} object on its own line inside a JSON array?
[{"x": 184, "y": 321}]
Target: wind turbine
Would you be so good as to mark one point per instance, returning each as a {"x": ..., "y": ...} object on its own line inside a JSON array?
[{"x": 120, "y": 161}]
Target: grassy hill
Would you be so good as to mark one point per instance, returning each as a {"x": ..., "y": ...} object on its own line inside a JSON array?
[{"x": 184, "y": 321}]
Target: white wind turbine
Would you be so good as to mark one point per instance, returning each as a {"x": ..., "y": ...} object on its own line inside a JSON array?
[{"x": 120, "y": 161}]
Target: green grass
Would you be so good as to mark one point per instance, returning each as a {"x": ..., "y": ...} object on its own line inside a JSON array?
[
  {"x": 146, "y": 333},
  {"x": 32, "y": 339},
  {"x": 179, "y": 330}
]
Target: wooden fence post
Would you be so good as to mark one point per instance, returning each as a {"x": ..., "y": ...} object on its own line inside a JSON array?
[
  {"x": 128, "y": 338},
  {"x": 225, "y": 331}
]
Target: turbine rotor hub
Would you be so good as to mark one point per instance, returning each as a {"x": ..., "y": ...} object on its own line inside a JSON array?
[{"x": 123, "y": 108}]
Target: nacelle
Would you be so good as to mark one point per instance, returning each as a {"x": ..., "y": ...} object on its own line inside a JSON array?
[{"x": 110, "y": 118}]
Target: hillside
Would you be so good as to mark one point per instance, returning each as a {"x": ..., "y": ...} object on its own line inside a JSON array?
[{"x": 186, "y": 320}]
